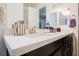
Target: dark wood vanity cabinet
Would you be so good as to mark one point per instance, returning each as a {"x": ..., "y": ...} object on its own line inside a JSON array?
[
  {"x": 68, "y": 45},
  {"x": 61, "y": 47}
]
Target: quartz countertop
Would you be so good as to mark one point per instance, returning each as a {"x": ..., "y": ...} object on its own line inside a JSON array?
[{"x": 18, "y": 45}]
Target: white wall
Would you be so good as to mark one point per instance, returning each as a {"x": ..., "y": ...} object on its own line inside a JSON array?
[{"x": 14, "y": 13}]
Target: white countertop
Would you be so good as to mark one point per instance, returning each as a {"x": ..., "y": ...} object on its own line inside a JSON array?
[{"x": 18, "y": 45}]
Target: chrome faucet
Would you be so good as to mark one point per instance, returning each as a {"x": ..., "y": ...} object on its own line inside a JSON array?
[{"x": 33, "y": 30}]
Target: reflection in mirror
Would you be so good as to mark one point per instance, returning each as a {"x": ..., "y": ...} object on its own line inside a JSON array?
[
  {"x": 42, "y": 18},
  {"x": 64, "y": 17},
  {"x": 53, "y": 19}
]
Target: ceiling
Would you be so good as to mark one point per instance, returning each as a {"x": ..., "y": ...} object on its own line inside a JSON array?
[{"x": 38, "y": 4}]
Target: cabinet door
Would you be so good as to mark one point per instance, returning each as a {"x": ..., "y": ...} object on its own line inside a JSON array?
[
  {"x": 71, "y": 45},
  {"x": 58, "y": 52},
  {"x": 68, "y": 45},
  {"x": 46, "y": 50}
]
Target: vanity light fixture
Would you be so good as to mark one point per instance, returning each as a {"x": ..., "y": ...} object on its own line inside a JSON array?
[
  {"x": 67, "y": 12},
  {"x": 61, "y": 9}
]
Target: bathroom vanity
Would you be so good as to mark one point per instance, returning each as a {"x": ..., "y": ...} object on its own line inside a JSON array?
[{"x": 43, "y": 44}]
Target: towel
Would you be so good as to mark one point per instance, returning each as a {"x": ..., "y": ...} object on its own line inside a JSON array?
[{"x": 72, "y": 23}]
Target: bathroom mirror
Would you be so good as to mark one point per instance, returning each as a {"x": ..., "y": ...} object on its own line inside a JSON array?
[
  {"x": 64, "y": 17},
  {"x": 59, "y": 16}
]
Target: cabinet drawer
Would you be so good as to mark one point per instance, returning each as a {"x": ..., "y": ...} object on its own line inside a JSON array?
[{"x": 58, "y": 52}]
